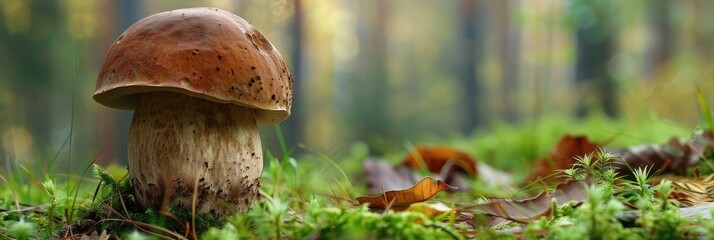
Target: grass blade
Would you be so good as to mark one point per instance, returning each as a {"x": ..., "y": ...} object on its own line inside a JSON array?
[
  {"x": 705, "y": 109},
  {"x": 14, "y": 194}
]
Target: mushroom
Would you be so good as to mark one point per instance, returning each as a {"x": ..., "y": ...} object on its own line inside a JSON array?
[{"x": 199, "y": 80}]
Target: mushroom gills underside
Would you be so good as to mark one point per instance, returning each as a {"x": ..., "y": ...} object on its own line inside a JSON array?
[{"x": 178, "y": 142}]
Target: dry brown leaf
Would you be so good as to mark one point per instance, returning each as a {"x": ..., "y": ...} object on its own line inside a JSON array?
[
  {"x": 436, "y": 158},
  {"x": 381, "y": 176},
  {"x": 531, "y": 209},
  {"x": 675, "y": 156},
  {"x": 401, "y": 199},
  {"x": 693, "y": 191},
  {"x": 561, "y": 156},
  {"x": 451, "y": 165}
]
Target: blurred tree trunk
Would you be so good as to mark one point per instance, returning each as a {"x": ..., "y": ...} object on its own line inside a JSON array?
[
  {"x": 510, "y": 38},
  {"x": 592, "y": 75},
  {"x": 114, "y": 123},
  {"x": 106, "y": 126},
  {"x": 468, "y": 71},
  {"x": 295, "y": 125},
  {"x": 594, "y": 45},
  {"x": 369, "y": 120},
  {"x": 699, "y": 37},
  {"x": 662, "y": 37},
  {"x": 27, "y": 40}
]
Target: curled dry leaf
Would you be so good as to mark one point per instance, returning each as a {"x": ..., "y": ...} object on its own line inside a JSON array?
[
  {"x": 437, "y": 158},
  {"x": 562, "y": 156},
  {"x": 675, "y": 156},
  {"x": 452, "y": 165},
  {"x": 402, "y": 199},
  {"x": 531, "y": 209}
]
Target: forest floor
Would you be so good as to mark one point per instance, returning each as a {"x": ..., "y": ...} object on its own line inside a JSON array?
[{"x": 555, "y": 178}]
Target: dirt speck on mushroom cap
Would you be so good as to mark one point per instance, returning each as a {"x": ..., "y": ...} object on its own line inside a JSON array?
[{"x": 201, "y": 52}]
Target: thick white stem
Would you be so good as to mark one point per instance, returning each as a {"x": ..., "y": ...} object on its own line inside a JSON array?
[{"x": 175, "y": 139}]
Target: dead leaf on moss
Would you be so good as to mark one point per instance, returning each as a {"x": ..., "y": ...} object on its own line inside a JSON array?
[
  {"x": 381, "y": 176},
  {"x": 401, "y": 199},
  {"x": 455, "y": 167},
  {"x": 561, "y": 156},
  {"x": 531, "y": 209},
  {"x": 440, "y": 159},
  {"x": 676, "y": 156},
  {"x": 693, "y": 191}
]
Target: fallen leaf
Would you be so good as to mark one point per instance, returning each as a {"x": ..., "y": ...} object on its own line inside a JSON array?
[
  {"x": 531, "y": 209},
  {"x": 561, "y": 156},
  {"x": 455, "y": 167},
  {"x": 675, "y": 156},
  {"x": 381, "y": 176},
  {"x": 693, "y": 191},
  {"x": 437, "y": 158},
  {"x": 401, "y": 199}
]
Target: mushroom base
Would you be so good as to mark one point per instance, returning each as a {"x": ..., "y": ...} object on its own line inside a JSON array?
[{"x": 178, "y": 142}]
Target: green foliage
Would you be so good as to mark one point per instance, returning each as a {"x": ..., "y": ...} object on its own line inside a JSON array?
[
  {"x": 273, "y": 219},
  {"x": 135, "y": 235},
  {"x": 512, "y": 148},
  {"x": 21, "y": 230},
  {"x": 660, "y": 218},
  {"x": 705, "y": 110},
  {"x": 604, "y": 216},
  {"x": 116, "y": 200}
]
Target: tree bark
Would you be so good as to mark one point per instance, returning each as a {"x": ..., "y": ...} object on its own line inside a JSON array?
[
  {"x": 594, "y": 44},
  {"x": 469, "y": 67},
  {"x": 369, "y": 120},
  {"x": 662, "y": 36},
  {"x": 510, "y": 39},
  {"x": 295, "y": 124}
]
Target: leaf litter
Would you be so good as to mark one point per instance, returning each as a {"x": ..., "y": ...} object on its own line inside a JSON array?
[
  {"x": 402, "y": 199},
  {"x": 456, "y": 168}
]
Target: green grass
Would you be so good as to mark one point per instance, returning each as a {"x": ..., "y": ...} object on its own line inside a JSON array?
[{"x": 312, "y": 196}]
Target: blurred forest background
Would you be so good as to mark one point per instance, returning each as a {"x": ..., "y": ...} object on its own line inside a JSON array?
[{"x": 376, "y": 72}]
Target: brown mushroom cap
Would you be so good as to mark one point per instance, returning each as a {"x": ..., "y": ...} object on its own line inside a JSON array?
[{"x": 202, "y": 52}]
